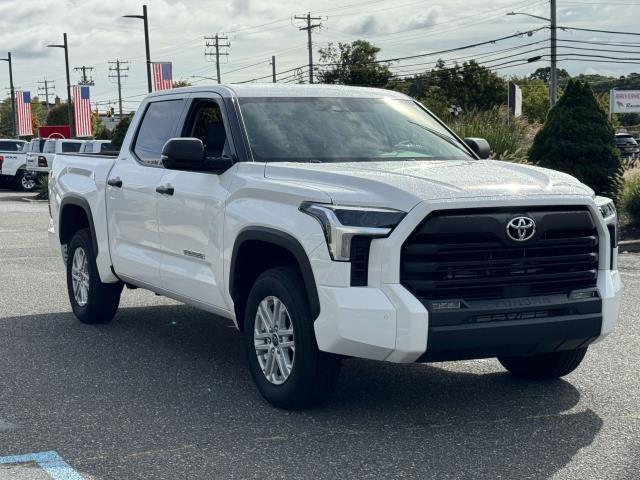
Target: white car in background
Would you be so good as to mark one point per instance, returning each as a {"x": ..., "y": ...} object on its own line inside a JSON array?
[
  {"x": 41, "y": 163},
  {"x": 13, "y": 164}
]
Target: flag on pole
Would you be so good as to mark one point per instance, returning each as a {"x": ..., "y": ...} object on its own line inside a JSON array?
[
  {"x": 162, "y": 77},
  {"x": 82, "y": 111},
  {"x": 23, "y": 112}
]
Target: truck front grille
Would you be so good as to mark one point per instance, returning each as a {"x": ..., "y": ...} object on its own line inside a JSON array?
[{"x": 466, "y": 254}]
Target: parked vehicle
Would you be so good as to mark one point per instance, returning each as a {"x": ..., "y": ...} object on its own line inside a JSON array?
[
  {"x": 98, "y": 146},
  {"x": 338, "y": 221},
  {"x": 627, "y": 145},
  {"x": 40, "y": 163},
  {"x": 13, "y": 164}
]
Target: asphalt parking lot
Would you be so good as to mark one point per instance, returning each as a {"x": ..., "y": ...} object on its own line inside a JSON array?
[{"x": 163, "y": 393}]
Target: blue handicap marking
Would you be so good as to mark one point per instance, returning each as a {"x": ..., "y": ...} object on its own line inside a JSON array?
[{"x": 50, "y": 462}]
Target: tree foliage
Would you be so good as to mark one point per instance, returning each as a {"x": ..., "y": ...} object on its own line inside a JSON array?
[
  {"x": 181, "y": 83},
  {"x": 544, "y": 74},
  {"x": 120, "y": 131},
  {"x": 578, "y": 139},
  {"x": 353, "y": 64},
  {"x": 58, "y": 115}
]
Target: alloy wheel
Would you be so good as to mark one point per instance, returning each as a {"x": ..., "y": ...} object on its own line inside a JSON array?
[
  {"x": 80, "y": 276},
  {"x": 274, "y": 340}
]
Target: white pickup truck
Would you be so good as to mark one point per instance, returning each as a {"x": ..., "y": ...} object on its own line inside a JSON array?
[
  {"x": 332, "y": 222},
  {"x": 39, "y": 163},
  {"x": 13, "y": 164}
]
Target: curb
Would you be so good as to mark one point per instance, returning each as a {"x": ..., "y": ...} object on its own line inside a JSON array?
[{"x": 629, "y": 246}]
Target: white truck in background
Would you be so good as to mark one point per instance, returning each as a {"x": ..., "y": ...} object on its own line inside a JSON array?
[
  {"x": 13, "y": 164},
  {"x": 39, "y": 163},
  {"x": 331, "y": 222},
  {"x": 98, "y": 146}
]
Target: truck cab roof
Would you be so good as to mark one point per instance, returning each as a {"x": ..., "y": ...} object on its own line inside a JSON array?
[{"x": 241, "y": 90}]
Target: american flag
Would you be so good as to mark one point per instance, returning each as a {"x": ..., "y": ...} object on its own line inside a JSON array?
[
  {"x": 23, "y": 111},
  {"x": 82, "y": 111},
  {"x": 162, "y": 78}
]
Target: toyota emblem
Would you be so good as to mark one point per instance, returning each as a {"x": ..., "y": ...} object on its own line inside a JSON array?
[{"x": 521, "y": 229}]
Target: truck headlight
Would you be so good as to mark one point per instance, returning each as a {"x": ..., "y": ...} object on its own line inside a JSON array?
[
  {"x": 607, "y": 208},
  {"x": 341, "y": 223}
]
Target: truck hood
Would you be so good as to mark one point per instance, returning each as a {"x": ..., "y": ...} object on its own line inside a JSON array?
[{"x": 403, "y": 184}]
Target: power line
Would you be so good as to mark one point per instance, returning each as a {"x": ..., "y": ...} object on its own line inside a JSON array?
[{"x": 84, "y": 78}]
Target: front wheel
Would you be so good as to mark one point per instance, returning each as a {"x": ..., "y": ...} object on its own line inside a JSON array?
[
  {"x": 91, "y": 300},
  {"x": 26, "y": 181},
  {"x": 544, "y": 366},
  {"x": 284, "y": 360}
]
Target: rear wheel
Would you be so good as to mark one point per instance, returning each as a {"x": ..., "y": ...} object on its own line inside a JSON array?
[
  {"x": 284, "y": 360},
  {"x": 25, "y": 181},
  {"x": 546, "y": 365},
  {"x": 91, "y": 300}
]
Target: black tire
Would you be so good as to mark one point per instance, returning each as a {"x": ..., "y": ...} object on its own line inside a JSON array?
[
  {"x": 22, "y": 182},
  {"x": 102, "y": 299},
  {"x": 314, "y": 373},
  {"x": 544, "y": 366}
]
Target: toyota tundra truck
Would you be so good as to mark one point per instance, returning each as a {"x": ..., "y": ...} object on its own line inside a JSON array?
[{"x": 329, "y": 222}]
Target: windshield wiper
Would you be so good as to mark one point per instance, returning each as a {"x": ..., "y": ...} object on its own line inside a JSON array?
[{"x": 446, "y": 138}]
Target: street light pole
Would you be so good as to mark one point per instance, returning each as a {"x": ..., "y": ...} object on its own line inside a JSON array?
[
  {"x": 145, "y": 18},
  {"x": 553, "y": 71},
  {"x": 13, "y": 94},
  {"x": 66, "y": 64}
]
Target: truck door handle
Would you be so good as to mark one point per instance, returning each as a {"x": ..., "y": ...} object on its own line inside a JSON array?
[
  {"x": 115, "y": 182},
  {"x": 165, "y": 189}
]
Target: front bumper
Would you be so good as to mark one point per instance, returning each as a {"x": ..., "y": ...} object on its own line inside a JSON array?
[{"x": 385, "y": 321}]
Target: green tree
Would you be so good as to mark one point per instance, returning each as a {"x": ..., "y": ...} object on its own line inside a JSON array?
[
  {"x": 120, "y": 131},
  {"x": 353, "y": 64},
  {"x": 58, "y": 115},
  {"x": 470, "y": 86},
  {"x": 535, "y": 99},
  {"x": 544, "y": 74},
  {"x": 578, "y": 139},
  {"x": 181, "y": 83}
]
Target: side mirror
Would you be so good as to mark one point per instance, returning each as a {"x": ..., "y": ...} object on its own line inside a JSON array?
[
  {"x": 188, "y": 154},
  {"x": 479, "y": 146},
  {"x": 183, "y": 154}
]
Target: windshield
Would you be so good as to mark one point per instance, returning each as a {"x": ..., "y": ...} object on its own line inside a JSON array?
[{"x": 317, "y": 129}]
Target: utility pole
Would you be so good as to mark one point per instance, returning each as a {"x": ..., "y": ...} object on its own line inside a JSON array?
[
  {"x": 308, "y": 18},
  {"x": 48, "y": 85},
  {"x": 145, "y": 18},
  {"x": 120, "y": 68},
  {"x": 553, "y": 74},
  {"x": 13, "y": 94},
  {"x": 64, "y": 45},
  {"x": 84, "y": 79},
  {"x": 273, "y": 67},
  {"x": 214, "y": 41}
]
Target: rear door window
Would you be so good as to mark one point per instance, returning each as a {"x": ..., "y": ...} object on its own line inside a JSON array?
[
  {"x": 9, "y": 146},
  {"x": 158, "y": 125},
  {"x": 70, "y": 147}
]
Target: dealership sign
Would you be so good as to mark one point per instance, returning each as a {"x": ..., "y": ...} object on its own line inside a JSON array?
[{"x": 624, "y": 101}]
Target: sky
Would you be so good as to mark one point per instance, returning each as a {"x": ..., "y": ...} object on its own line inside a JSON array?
[{"x": 256, "y": 30}]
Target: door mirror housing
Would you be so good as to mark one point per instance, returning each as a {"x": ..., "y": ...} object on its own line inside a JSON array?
[
  {"x": 183, "y": 154},
  {"x": 188, "y": 154},
  {"x": 479, "y": 146}
]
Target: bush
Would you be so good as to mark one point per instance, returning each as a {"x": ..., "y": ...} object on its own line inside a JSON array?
[
  {"x": 120, "y": 130},
  {"x": 509, "y": 138},
  {"x": 43, "y": 187},
  {"x": 577, "y": 138},
  {"x": 631, "y": 198}
]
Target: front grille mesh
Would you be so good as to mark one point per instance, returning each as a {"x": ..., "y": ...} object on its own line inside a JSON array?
[{"x": 467, "y": 255}]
